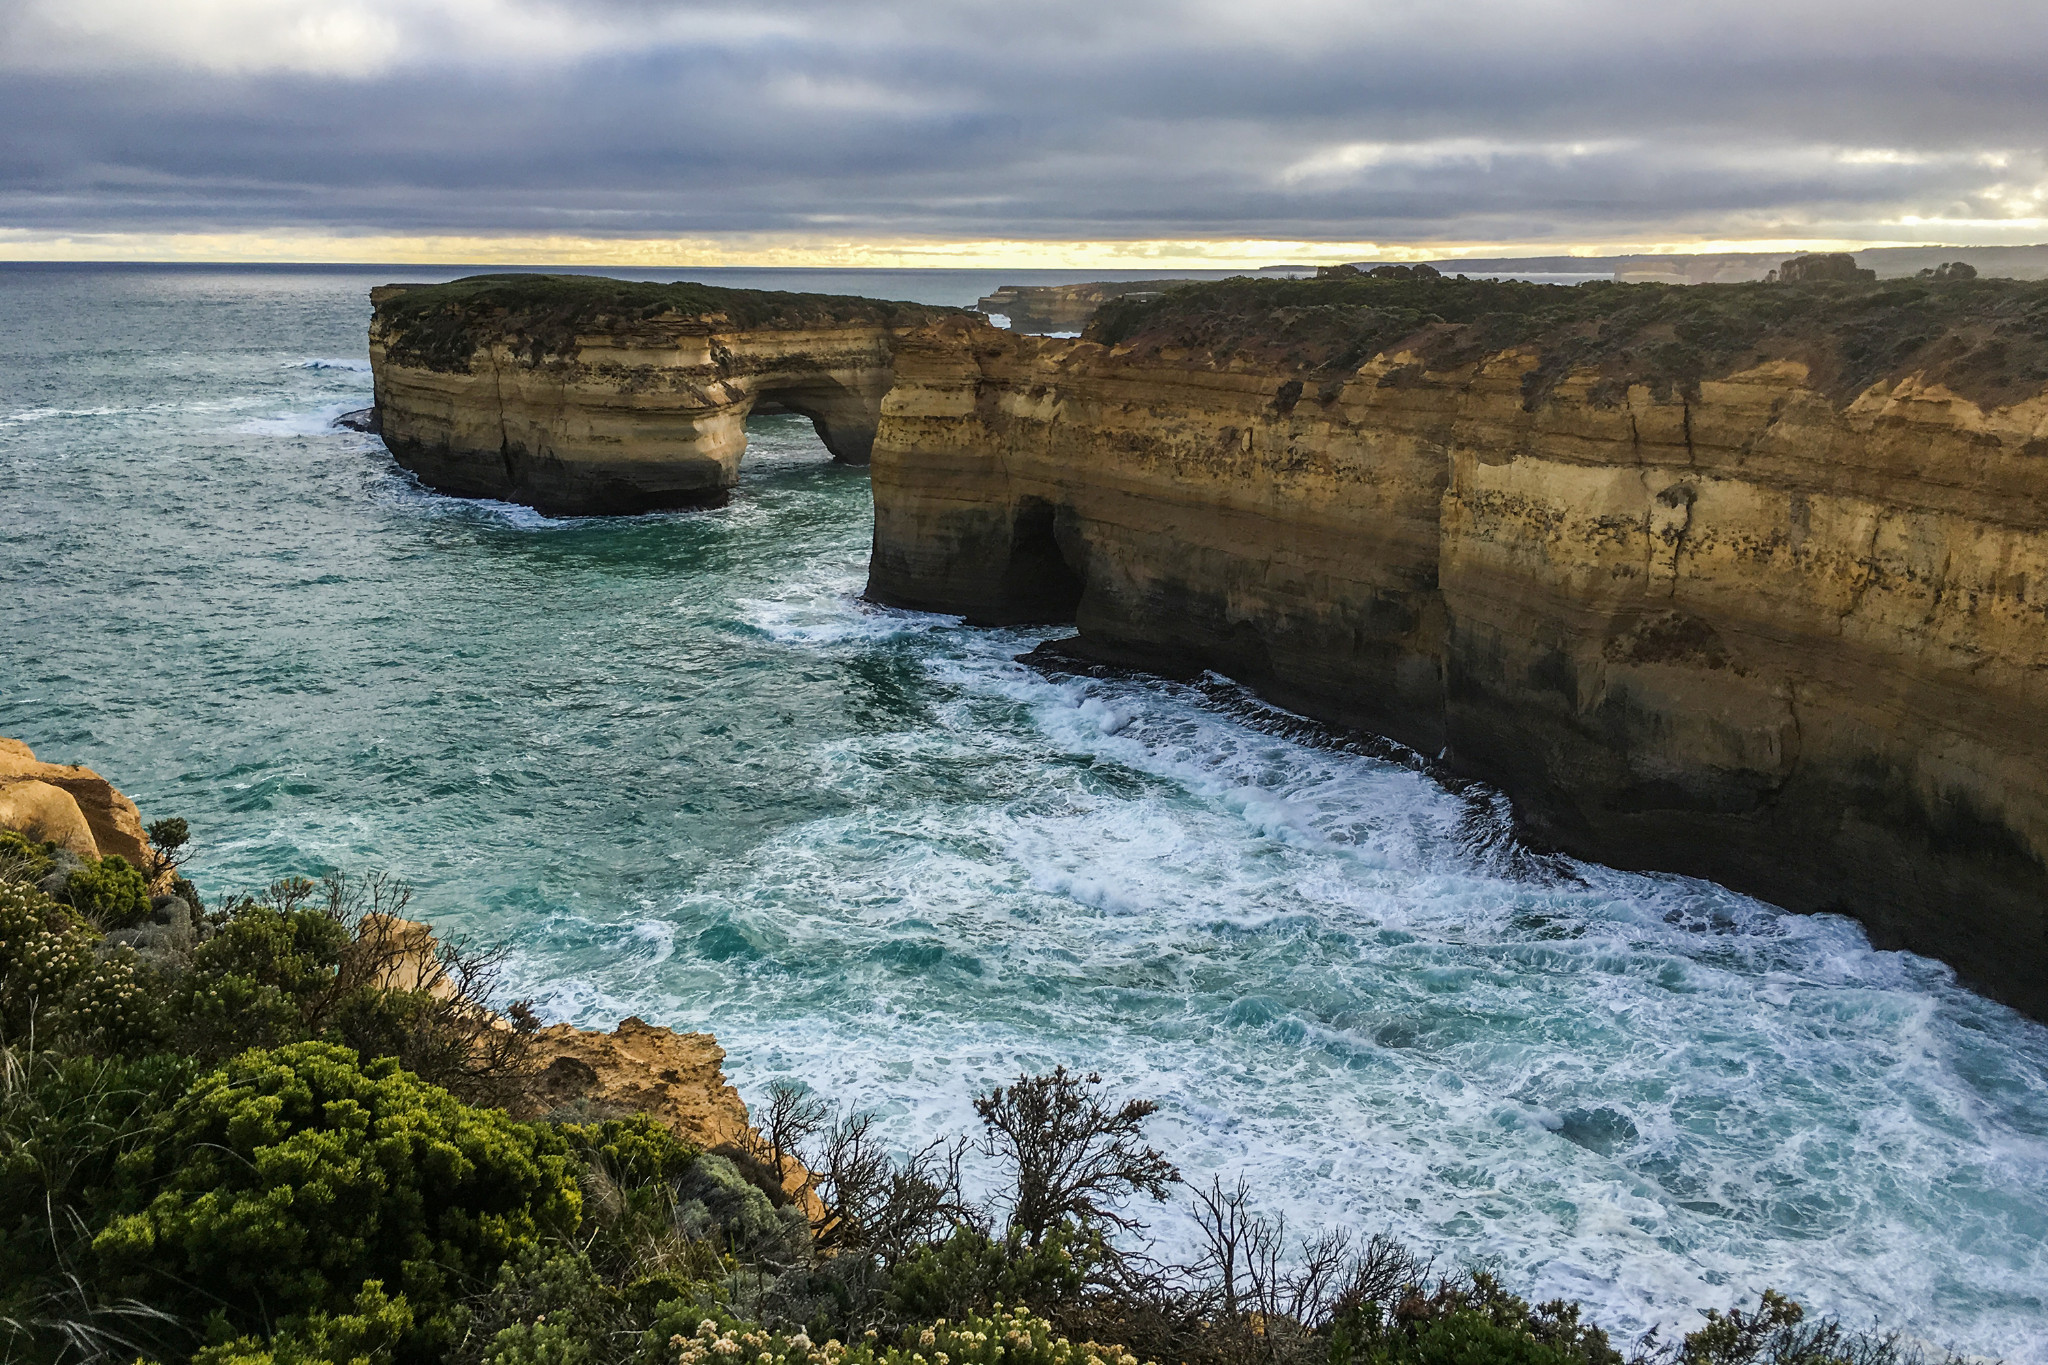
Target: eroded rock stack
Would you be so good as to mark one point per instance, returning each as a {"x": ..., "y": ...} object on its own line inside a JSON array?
[{"x": 577, "y": 395}]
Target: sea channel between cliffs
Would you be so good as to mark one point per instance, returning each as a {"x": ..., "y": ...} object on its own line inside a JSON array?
[{"x": 690, "y": 775}]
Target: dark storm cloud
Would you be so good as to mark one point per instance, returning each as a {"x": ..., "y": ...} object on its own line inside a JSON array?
[{"x": 1567, "y": 120}]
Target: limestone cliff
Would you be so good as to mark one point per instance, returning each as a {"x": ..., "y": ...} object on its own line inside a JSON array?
[
  {"x": 579, "y": 395},
  {"x": 1741, "y": 583},
  {"x": 1065, "y": 307}
]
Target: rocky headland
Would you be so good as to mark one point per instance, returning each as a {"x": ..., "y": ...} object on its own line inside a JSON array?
[
  {"x": 1744, "y": 582},
  {"x": 1065, "y": 307},
  {"x": 578, "y": 395}
]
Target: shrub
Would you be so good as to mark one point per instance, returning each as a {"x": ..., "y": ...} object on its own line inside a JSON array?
[
  {"x": 1070, "y": 1156},
  {"x": 333, "y": 961},
  {"x": 167, "y": 844},
  {"x": 547, "y": 1308},
  {"x": 971, "y": 1271},
  {"x": 633, "y": 1150},
  {"x": 288, "y": 1179},
  {"x": 55, "y": 987},
  {"x": 112, "y": 892},
  {"x": 1465, "y": 1322},
  {"x": 22, "y": 859},
  {"x": 686, "y": 1334},
  {"x": 369, "y": 1335}
]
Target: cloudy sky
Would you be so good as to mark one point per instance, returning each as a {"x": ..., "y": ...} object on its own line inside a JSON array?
[{"x": 1022, "y": 132}]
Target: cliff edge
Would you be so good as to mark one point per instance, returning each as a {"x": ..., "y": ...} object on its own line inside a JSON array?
[
  {"x": 580, "y": 395},
  {"x": 1743, "y": 582}
]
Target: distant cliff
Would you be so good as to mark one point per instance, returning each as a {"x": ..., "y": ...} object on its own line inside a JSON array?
[
  {"x": 1745, "y": 582},
  {"x": 1065, "y": 307},
  {"x": 576, "y": 394}
]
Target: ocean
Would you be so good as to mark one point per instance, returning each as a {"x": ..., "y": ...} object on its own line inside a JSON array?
[{"x": 685, "y": 773}]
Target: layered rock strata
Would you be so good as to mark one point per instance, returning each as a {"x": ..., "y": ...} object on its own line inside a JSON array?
[
  {"x": 1779, "y": 619},
  {"x": 577, "y": 395},
  {"x": 1065, "y": 307}
]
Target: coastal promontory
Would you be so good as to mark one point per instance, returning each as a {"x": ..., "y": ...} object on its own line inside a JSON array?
[
  {"x": 579, "y": 395},
  {"x": 1748, "y": 582}
]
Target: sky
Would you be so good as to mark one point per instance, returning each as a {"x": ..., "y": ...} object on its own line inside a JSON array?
[{"x": 1127, "y": 133}]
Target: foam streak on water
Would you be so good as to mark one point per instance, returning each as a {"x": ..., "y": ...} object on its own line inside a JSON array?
[{"x": 689, "y": 775}]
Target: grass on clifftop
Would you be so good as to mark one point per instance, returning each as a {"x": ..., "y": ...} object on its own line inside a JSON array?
[
  {"x": 440, "y": 326},
  {"x": 1986, "y": 339}
]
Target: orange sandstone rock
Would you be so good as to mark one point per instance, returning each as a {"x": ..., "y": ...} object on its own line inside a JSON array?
[{"x": 72, "y": 806}]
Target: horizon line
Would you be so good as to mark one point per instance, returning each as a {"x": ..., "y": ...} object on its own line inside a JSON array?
[{"x": 20, "y": 246}]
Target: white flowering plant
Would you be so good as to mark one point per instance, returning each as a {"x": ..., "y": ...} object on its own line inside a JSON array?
[{"x": 1004, "y": 1337}]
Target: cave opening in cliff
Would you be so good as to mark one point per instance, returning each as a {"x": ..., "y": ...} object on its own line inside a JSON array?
[{"x": 1040, "y": 584}]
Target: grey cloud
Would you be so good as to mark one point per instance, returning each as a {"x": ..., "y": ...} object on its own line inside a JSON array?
[{"x": 1076, "y": 120}]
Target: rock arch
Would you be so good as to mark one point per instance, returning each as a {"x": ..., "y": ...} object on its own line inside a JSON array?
[{"x": 579, "y": 396}]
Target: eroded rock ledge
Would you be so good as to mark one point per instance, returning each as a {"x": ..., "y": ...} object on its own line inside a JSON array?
[
  {"x": 1740, "y": 583},
  {"x": 578, "y": 395}
]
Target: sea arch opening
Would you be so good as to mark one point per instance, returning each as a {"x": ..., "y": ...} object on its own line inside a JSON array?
[{"x": 845, "y": 415}]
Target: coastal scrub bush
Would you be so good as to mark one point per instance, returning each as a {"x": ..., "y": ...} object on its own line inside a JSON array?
[
  {"x": 23, "y": 859},
  {"x": 685, "y": 1334},
  {"x": 971, "y": 1270},
  {"x": 549, "y": 1306},
  {"x": 335, "y": 961},
  {"x": 112, "y": 892},
  {"x": 1980, "y": 338},
  {"x": 373, "y": 1332},
  {"x": 266, "y": 976},
  {"x": 56, "y": 986},
  {"x": 1465, "y": 1322},
  {"x": 1069, "y": 1156},
  {"x": 168, "y": 840},
  {"x": 287, "y": 1179}
]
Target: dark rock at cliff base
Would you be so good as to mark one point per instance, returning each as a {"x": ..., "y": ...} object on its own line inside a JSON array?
[{"x": 362, "y": 419}]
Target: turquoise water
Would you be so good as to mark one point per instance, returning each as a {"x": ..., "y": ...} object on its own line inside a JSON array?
[{"x": 687, "y": 774}]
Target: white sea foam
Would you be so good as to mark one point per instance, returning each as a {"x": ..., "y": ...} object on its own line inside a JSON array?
[
  {"x": 833, "y": 614},
  {"x": 317, "y": 422},
  {"x": 1646, "y": 1093}
]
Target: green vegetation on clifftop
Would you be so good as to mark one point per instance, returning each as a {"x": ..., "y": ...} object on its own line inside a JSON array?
[
  {"x": 440, "y": 326},
  {"x": 1985, "y": 339}
]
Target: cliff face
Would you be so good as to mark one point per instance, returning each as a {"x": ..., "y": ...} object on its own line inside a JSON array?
[
  {"x": 1065, "y": 307},
  {"x": 578, "y": 395},
  {"x": 1764, "y": 622}
]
